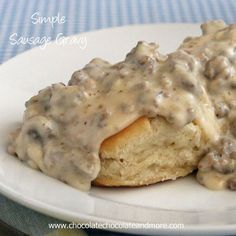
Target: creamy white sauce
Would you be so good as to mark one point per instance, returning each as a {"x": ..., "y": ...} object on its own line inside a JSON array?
[
  {"x": 216, "y": 51},
  {"x": 64, "y": 126}
]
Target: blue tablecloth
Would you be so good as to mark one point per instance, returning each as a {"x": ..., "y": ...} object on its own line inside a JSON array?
[{"x": 87, "y": 15}]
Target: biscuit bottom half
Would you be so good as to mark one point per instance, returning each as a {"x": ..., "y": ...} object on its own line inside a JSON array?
[{"x": 149, "y": 151}]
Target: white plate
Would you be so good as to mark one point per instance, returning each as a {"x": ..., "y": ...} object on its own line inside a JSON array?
[{"x": 183, "y": 201}]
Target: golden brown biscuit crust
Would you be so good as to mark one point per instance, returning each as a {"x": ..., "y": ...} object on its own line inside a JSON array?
[{"x": 149, "y": 151}]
